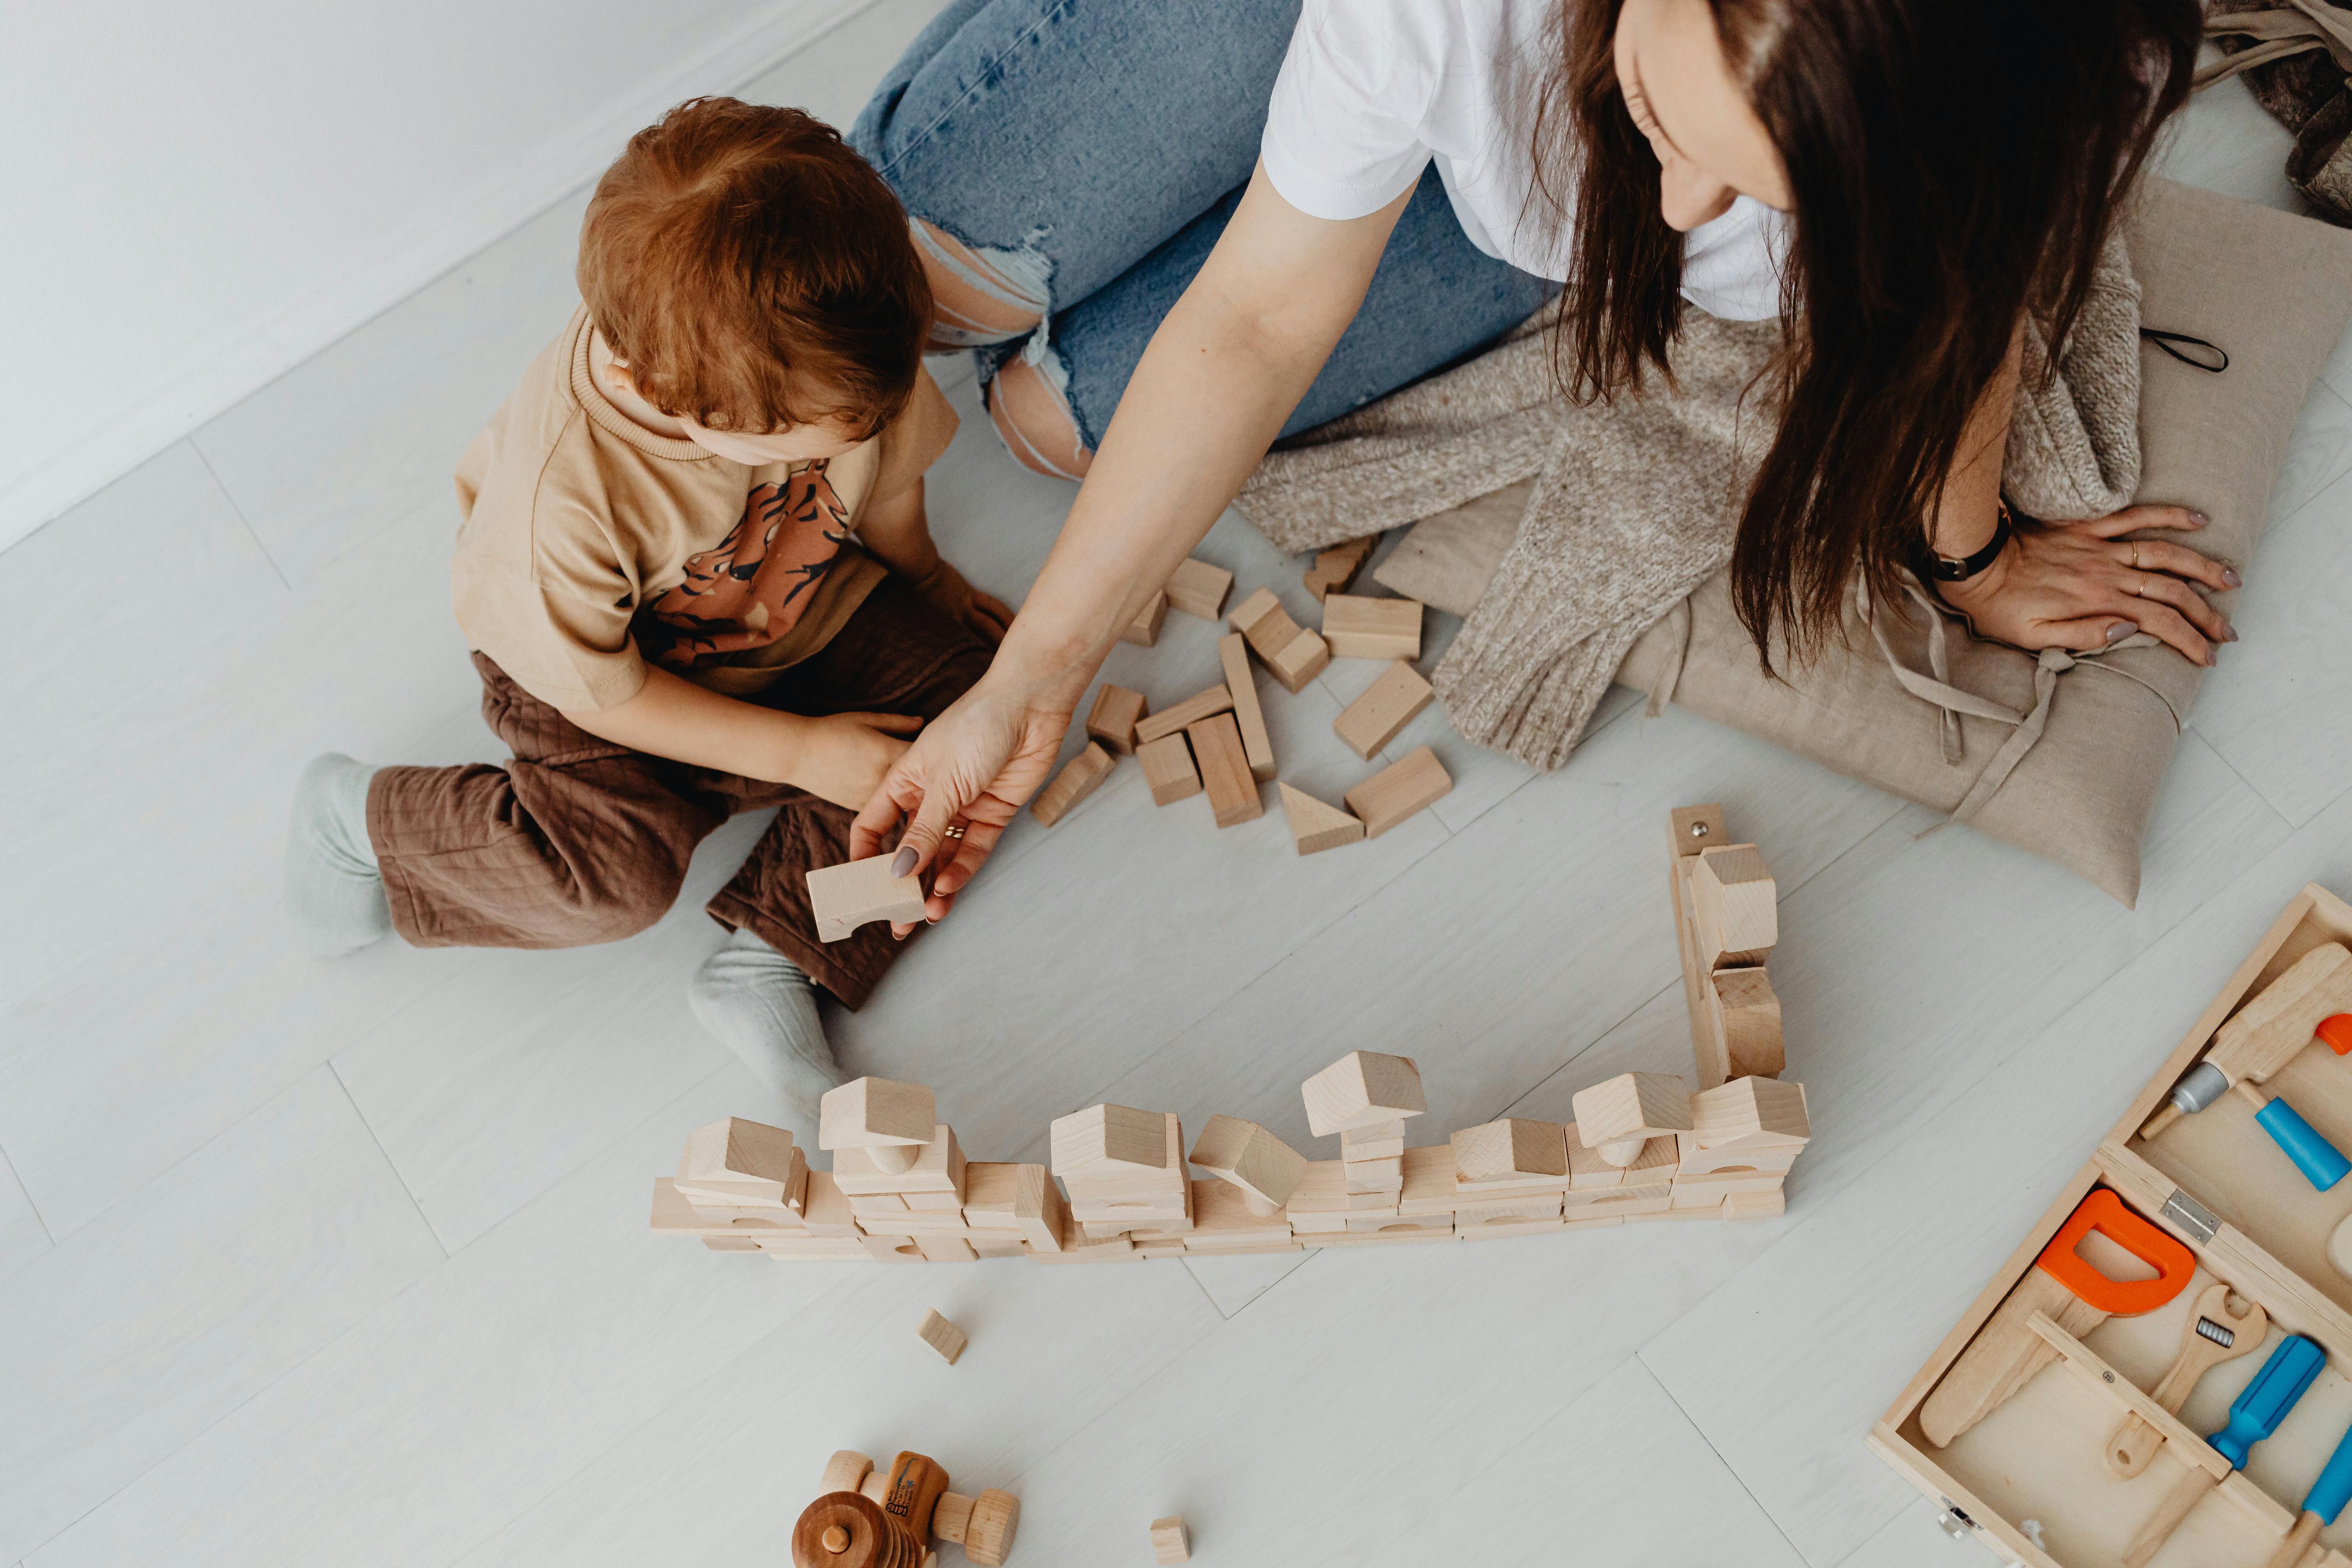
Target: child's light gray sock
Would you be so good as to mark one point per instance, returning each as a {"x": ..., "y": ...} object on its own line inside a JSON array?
[
  {"x": 764, "y": 1007},
  {"x": 334, "y": 894}
]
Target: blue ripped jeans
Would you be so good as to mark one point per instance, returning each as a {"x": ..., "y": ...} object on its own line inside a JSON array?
[{"x": 1093, "y": 150}]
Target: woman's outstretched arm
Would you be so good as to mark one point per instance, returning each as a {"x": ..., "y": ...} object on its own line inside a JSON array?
[{"x": 1222, "y": 373}]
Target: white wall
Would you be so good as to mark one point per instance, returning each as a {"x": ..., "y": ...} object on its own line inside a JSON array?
[{"x": 196, "y": 197}]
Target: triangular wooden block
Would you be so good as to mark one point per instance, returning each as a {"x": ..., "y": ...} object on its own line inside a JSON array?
[{"x": 1315, "y": 826}]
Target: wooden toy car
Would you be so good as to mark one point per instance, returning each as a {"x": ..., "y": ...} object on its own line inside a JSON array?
[{"x": 869, "y": 1518}]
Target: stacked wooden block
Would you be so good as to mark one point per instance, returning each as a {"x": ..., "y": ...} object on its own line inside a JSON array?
[
  {"x": 1124, "y": 1169},
  {"x": 1726, "y": 919}
]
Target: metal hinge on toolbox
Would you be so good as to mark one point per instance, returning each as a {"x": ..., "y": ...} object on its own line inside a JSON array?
[{"x": 2190, "y": 1215}]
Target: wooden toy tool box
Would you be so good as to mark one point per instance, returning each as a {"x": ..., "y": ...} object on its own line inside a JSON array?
[{"x": 2032, "y": 1478}]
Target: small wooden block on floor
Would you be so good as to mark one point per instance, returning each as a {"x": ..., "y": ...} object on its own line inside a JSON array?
[
  {"x": 1387, "y": 706},
  {"x": 1169, "y": 1541},
  {"x": 1336, "y": 567},
  {"x": 847, "y": 896},
  {"x": 943, "y": 1336},
  {"x": 1144, "y": 630},
  {"x": 1199, "y": 589},
  {"x": 1358, "y": 628},
  {"x": 1315, "y": 826},
  {"x": 1116, "y": 712},
  {"x": 1168, "y": 769},
  {"x": 1226, "y": 770},
  {"x": 1400, "y": 790},
  {"x": 1193, "y": 708},
  {"x": 1232, "y": 653},
  {"x": 1294, "y": 654},
  {"x": 1079, "y": 777}
]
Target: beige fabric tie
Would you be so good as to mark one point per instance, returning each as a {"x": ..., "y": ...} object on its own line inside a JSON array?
[{"x": 2299, "y": 30}]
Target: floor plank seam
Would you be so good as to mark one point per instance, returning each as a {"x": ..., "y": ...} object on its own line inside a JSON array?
[
  {"x": 237, "y": 506},
  {"x": 1721, "y": 1457},
  {"x": 390, "y": 1164},
  {"x": 2252, "y": 788},
  {"x": 32, "y": 1208}
]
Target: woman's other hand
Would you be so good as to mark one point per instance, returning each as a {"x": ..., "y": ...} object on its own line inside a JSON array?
[{"x": 2076, "y": 585}]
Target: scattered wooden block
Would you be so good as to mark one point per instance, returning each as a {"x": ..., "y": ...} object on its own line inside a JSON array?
[
  {"x": 1199, "y": 589},
  {"x": 1109, "y": 1140},
  {"x": 889, "y": 1120},
  {"x": 1168, "y": 769},
  {"x": 1078, "y": 779},
  {"x": 847, "y": 896},
  {"x": 1144, "y": 630},
  {"x": 1382, "y": 1141},
  {"x": 1294, "y": 654},
  {"x": 1362, "y": 1088},
  {"x": 1226, "y": 770},
  {"x": 943, "y": 1336},
  {"x": 1169, "y": 720},
  {"x": 1619, "y": 1116},
  {"x": 1232, "y": 653},
  {"x": 1387, "y": 706},
  {"x": 1738, "y": 907},
  {"x": 1398, "y": 790},
  {"x": 1244, "y": 1153},
  {"x": 1315, "y": 826},
  {"x": 740, "y": 1161},
  {"x": 1168, "y": 1542},
  {"x": 1512, "y": 1148},
  {"x": 1750, "y": 1016},
  {"x": 1336, "y": 567},
  {"x": 1113, "y": 719},
  {"x": 1358, "y": 627}
]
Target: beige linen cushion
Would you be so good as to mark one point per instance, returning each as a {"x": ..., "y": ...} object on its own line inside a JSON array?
[{"x": 2275, "y": 291}]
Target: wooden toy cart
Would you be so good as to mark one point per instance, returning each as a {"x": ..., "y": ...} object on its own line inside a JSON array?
[{"x": 2036, "y": 1470}]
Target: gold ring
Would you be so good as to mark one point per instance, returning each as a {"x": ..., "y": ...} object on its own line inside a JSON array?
[
  {"x": 952, "y": 830},
  {"x": 2135, "y": 565}
]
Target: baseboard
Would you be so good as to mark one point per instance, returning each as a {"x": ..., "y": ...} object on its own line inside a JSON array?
[{"x": 267, "y": 349}]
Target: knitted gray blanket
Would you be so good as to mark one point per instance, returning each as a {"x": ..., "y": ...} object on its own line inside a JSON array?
[{"x": 1635, "y": 502}]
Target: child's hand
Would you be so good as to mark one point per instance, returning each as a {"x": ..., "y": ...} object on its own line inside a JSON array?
[
  {"x": 842, "y": 757},
  {"x": 984, "y": 614}
]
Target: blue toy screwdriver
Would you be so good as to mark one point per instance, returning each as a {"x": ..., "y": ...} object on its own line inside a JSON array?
[
  {"x": 2320, "y": 1504},
  {"x": 2255, "y": 1415},
  {"x": 2321, "y": 1163}
]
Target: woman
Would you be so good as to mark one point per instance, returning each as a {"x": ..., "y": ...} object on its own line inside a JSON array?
[{"x": 1902, "y": 180}]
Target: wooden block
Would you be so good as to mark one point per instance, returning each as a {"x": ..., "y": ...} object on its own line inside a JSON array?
[
  {"x": 1625, "y": 1203},
  {"x": 1264, "y": 1167},
  {"x": 1169, "y": 1541},
  {"x": 1696, "y": 1162},
  {"x": 1651, "y": 1216},
  {"x": 847, "y": 896},
  {"x": 918, "y": 1222},
  {"x": 1398, "y": 790},
  {"x": 1499, "y": 1151},
  {"x": 1691, "y": 829},
  {"x": 1749, "y": 1016},
  {"x": 876, "y": 1205},
  {"x": 997, "y": 1243},
  {"x": 935, "y": 1202},
  {"x": 1161, "y": 1248},
  {"x": 1232, "y": 653},
  {"x": 1079, "y": 777},
  {"x": 1420, "y": 1235},
  {"x": 1756, "y": 1205},
  {"x": 1601, "y": 1222},
  {"x": 828, "y": 1212},
  {"x": 1752, "y": 1114},
  {"x": 1168, "y": 769},
  {"x": 1355, "y": 627},
  {"x": 892, "y": 1248},
  {"x": 1087, "y": 1249},
  {"x": 874, "y": 1113},
  {"x": 1428, "y": 1182},
  {"x": 740, "y": 1161},
  {"x": 1587, "y": 1170},
  {"x": 1315, "y": 826},
  {"x": 1113, "y": 719},
  {"x": 1362, "y": 1088},
  {"x": 1737, "y": 907},
  {"x": 1387, "y": 706},
  {"x": 1522, "y": 1216},
  {"x": 1294, "y": 655},
  {"x": 1298, "y": 661},
  {"x": 941, "y": 1336},
  {"x": 1199, "y": 589},
  {"x": 1110, "y": 1141},
  {"x": 991, "y": 1190},
  {"x": 945, "y": 1250},
  {"x": 1144, "y": 630},
  {"x": 1395, "y": 1223},
  {"x": 938, "y": 1167},
  {"x": 815, "y": 1249},
  {"x": 771, "y": 1221},
  {"x": 1619, "y": 1116},
  {"x": 1376, "y": 1175},
  {"x": 1197, "y": 707},
  {"x": 1382, "y": 1141},
  {"x": 1715, "y": 1185},
  {"x": 1039, "y": 1210},
  {"x": 1336, "y": 567},
  {"x": 1226, "y": 771},
  {"x": 1318, "y": 1204},
  {"x": 1377, "y": 1200},
  {"x": 1223, "y": 1216}
]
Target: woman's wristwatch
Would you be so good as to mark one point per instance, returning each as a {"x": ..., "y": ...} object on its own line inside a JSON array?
[{"x": 1944, "y": 568}]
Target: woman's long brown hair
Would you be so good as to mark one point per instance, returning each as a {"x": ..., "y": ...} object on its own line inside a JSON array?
[{"x": 1953, "y": 163}]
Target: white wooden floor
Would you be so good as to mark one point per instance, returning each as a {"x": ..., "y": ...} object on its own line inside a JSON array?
[{"x": 346, "y": 1263}]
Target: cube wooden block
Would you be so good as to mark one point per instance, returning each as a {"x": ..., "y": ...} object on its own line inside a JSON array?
[
  {"x": 1226, "y": 771},
  {"x": 1233, "y": 655},
  {"x": 738, "y": 1160},
  {"x": 844, "y": 897},
  {"x": 1755, "y": 1206},
  {"x": 1619, "y": 1116},
  {"x": 1381, "y": 1141},
  {"x": 1168, "y": 720},
  {"x": 1264, "y": 1167},
  {"x": 1169, "y": 1541},
  {"x": 1737, "y": 912},
  {"x": 1298, "y": 661},
  {"x": 1756, "y": 1113},
  {"x": 1168, "y": 769},
  {"x": 1144, "y": 630},
  {"x": 1387, "y": 706},
  {"x": 937, "y": 1167},
  {"x": 1079, "y": 777},
  {"x": 1113, "y": 719},
  {"x": 943, "y": 1336},
  {"x": 1398, "y": 790},
  {"x": 992, "y": 1191},
  {"x": 1110, "y": 1141},
  {"x": 1428, "y": 1181},
  {"x": 1318, "y": 1204},
  {"x": 1376, "y": 1175},
  {"x": 1362, "y": 1088},
  {"x": 1336, "y": 567},
  {"x": 828, "y": 1213},
  {"x": 1293, "y": 654},
  {"x": 1501, "y": 1150},
  {"x": 876, "y": 1113},
  {"x": 1358, "y": 627},
  {"x": 1750, "y": 1016},
  {"x": 1315, "y": 826},
  {"x": 1199, "y": 589}
]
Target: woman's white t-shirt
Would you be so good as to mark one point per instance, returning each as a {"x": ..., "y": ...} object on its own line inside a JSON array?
[{"x": 1372, "y": 90}]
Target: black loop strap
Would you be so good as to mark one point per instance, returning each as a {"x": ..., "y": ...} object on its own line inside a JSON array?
[{"x": 2165, "y": 341}]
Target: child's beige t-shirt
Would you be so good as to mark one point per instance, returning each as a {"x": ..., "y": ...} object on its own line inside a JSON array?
[{"x": 592, "y": 544}]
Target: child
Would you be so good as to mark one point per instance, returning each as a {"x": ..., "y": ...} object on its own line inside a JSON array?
[{"x": 661, "y": 575}]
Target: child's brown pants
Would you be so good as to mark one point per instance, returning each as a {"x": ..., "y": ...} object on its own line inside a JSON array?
[{"x": 577, "y": 840}]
